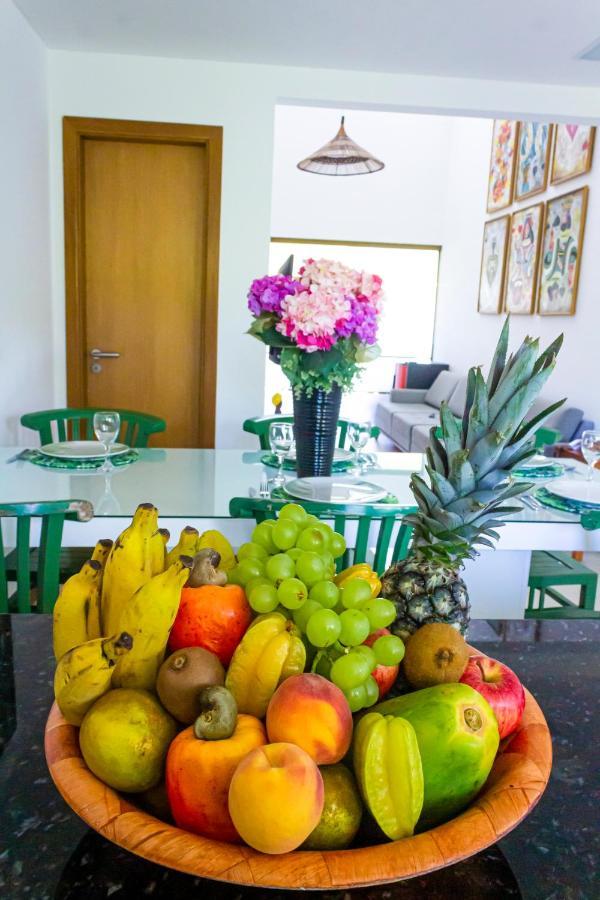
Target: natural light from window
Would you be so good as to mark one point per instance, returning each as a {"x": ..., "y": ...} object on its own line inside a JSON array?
[{"x": 409, "y": 276}]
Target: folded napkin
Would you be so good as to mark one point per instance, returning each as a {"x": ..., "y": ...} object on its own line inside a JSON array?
[{"x": 54, "y": 462}]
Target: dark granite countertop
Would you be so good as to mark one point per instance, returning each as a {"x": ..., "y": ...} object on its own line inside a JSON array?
[{"x": 47, "y": 853}]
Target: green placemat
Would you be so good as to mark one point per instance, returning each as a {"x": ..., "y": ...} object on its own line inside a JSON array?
[
  {"x": 552, "y": 470},
  {"x": 339, "y": 465},
  {"x": 52, "y": 462},
  {"x": 280, "y": 493},
  {"x": 570, "y": 506}
]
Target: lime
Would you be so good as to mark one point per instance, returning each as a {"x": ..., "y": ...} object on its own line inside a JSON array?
[{"x": 342, "y": 811}]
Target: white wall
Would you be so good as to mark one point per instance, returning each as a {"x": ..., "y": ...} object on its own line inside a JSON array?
[
  {"x": 463, "y": 337},
  {"x": 26, "y": 347},
  {"x": 403, "y": 203},
  {"x": 242, "y": 98}
]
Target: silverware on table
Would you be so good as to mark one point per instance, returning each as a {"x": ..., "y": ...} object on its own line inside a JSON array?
[
  {"x": 263, "y": 488},
  {"x": 23, "y": 454}
]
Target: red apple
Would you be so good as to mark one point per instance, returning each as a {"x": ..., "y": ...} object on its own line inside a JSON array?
[
  {"x": 385, "y": 676},
  {"x": 500, "y": 687}
]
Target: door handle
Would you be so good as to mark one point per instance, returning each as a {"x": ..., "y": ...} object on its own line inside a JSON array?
[{"x": 104, "y": 354}]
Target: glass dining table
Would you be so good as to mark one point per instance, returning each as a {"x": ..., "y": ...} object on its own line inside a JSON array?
[{"x": 195, "y": 486}]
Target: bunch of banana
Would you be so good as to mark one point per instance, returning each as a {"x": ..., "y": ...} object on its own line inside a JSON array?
[
  {"x": 84, "y": 674},
  {"x": 185, "y": 546},
  {"x": 133, "y": 560},
  {"x": 75, "y": 618},
  {"x": 148, "y": 616}
]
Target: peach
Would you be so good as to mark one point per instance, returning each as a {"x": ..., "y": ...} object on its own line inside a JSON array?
[
  {"x": 276, "y": 798},
  {"x": 311, "y": 712}
]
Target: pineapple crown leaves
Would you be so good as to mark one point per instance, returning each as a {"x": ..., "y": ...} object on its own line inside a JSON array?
[{"x": 470, "y": 464}]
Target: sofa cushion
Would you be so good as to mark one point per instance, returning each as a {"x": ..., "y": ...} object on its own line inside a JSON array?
[
  {"x": 404, "y": 422},
  {"x": 419, "y": 438},
  {"x": 441, "y": 389},
  {"x": 458, "y": 398},
  {"x": 383, "y": 415}
]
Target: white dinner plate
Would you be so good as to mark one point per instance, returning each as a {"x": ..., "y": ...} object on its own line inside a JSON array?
[
  {"x": 587, "y": 492},
  {"x": 535, "y": 462},
  {"x": 335, "y": 490},
  {"x": 81, "y": 450}
]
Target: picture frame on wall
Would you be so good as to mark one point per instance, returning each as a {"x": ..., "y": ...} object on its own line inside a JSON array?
[
  {"x": 502, "y": 164},
  {"x": 562, "y": 249},
  {"x": 573, "y": 151},
  {"x": 520, "y": 288},
  {"x": 533, "y": 159},
  {"x": 493, "y": 265}
]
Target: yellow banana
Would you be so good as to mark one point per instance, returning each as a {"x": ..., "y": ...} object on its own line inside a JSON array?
[
  {"x": 185, "y": 546},
  {"x": 84, "y": 674},
  {"x": 148, "y": 616},
  {"x": 214, "y": 540},
  {"x": 128, "y": 567},
  {"x": 75, "y": 611},
  {"x": 100, "y": 554},
  {"x": 158, "y": 550}
]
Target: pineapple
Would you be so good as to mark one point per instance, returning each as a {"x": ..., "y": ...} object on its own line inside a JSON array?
[{"x": 469, "y": 486}]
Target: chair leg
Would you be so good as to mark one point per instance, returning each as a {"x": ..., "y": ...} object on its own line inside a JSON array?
[
  {"x": 531, "y": 601},
  {"x": 542, "y": 598}
]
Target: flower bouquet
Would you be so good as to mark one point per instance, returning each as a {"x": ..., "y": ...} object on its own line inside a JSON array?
[{"x": 323, "y": 325}]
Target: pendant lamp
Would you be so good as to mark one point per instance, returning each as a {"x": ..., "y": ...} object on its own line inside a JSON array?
[{"x": 341, "y": 156}]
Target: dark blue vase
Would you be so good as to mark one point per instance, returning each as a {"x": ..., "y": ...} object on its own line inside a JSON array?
[{"x": 315, "y": 427}]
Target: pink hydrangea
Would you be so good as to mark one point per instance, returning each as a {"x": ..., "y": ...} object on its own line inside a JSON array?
[{"x": 310, "y": 317}]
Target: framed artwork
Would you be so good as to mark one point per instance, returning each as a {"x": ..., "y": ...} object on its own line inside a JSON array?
[
  {"x": 573, "y": 149},
  {"x": 522, "y": 261},
  {"x": 493, "y": 265},
  {"x": 502, "y": 164},
  {"x": 564, "y": 227},
  {"x": 533, "y": 159}
]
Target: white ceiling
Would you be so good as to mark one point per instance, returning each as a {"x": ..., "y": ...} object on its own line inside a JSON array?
[{"x": 516, "y": 40}]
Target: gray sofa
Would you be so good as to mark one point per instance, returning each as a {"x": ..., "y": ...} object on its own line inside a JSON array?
[{"x": 408, "y": 414}]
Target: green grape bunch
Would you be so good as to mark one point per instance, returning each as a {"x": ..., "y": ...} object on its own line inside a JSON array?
[{"x": 289, "y": 565}]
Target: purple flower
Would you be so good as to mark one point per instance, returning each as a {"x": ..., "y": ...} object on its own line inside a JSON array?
[
  {"x": 265, "y": 294},
  {"x": 362, "y": 320}
]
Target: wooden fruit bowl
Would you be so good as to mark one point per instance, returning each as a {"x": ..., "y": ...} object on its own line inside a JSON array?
[{"x": 516, "y": 783}]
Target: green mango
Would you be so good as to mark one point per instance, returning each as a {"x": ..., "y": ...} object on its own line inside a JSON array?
[{"x": 457, "y": 734}]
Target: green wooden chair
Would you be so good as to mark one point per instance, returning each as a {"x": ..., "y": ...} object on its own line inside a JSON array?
[
  {"x": 53, "y": 514},
  {"x": 77, "y": 424},
  {"x": 345, "y": 519},
  {"x": 260, "y": 427},
  {"x": 553, "y": 569}
]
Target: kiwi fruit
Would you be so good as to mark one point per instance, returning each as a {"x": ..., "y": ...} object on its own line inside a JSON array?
[
  {"x": 435, "y": 654},
  {"x": 181, "y": 679}
]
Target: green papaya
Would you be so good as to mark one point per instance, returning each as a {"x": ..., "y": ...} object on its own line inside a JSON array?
[
  {"x": 457, "y": 734},
  {"x": 389, "y": 774}
]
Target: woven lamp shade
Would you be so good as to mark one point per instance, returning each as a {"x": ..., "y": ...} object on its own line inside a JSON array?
[{"x": 341, "y": 156}]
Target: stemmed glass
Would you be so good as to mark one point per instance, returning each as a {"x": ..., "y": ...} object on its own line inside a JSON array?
[
  {"x": 590, "y": 447},
  {"x": 106, "y": 428},
  {"x": 281, "y": 438},
  {"x": 358, "y": 435}
]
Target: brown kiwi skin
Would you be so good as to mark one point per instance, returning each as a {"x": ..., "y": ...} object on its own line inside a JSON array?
[
  {"x": 435, "y": 654},
  {"x": 181, "y": 679}
]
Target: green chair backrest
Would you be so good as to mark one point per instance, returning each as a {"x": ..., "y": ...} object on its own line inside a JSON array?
[
  {"x": 260, "y": 427},
  {"x": 77, "y": 424},
  {"x": 53, "y": 514},
  {"x": 545, "y": 436},
  {"x": 363, "y": 517}
]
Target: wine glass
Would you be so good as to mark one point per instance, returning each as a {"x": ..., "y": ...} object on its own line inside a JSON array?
[
  {"x": 106, "y": 428},
  {"x": 281, "y": 438},
  {"x": 358, "y": 435},
  {"x": 590, "y": 447}
]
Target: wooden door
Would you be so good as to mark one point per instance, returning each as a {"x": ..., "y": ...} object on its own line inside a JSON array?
[{"x": 142, "y": 203}]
